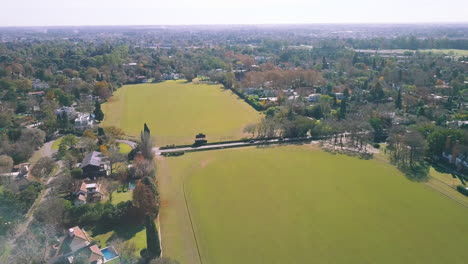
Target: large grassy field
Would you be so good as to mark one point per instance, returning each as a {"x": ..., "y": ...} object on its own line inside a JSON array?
[
  {"x": 298, "y": 204},
  {"x": 176, "y": 111}
]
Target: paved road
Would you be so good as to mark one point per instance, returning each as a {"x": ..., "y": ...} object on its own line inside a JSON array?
[
  {"x": 128, "y": 142},
  {"x": 227, "y": 145}
]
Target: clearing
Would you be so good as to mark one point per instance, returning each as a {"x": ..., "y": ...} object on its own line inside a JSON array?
[
  {"x": 176, "y": 111},
  {"x": 298, "y": 204}
]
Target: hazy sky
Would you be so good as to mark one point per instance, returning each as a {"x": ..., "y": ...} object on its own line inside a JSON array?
[{"x": 176, "y": 12}]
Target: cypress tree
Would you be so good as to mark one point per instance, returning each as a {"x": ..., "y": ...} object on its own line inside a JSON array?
[
  {"x": 324, "y": 63},
  {"x": 152, "y": 238},
  {"x": 146, "y": 129},
  {"x": 98, "y": 114},
  {"x": 398, "y": 101},
  {"x": 343, "y": 109}
]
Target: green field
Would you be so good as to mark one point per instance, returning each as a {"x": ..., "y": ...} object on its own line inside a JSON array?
[
  {"x": 176, "y": 111},
  {"x": 298, "y": 204}
]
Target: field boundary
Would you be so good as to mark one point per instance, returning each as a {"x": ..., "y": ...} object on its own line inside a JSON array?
[
  {"x": 445, "y": 193},
  {"x": 191, "y": 221}
]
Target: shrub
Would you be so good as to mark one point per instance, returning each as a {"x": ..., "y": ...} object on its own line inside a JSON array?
[
  {"x": 462, "y": 189},
  {"x": 77, "y": 173},
  {"x": 376, "y": 145}
]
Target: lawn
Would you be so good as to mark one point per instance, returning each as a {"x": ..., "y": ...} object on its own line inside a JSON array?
[
  {"x": 298, "y": 204},
  {"x": 56, "y": 144},
  {"x": 124, "y": 148},
  {"x": 176, "y": 111},
  {"x": 118, "y": 197},
  {"x": 135, "y": 234}
]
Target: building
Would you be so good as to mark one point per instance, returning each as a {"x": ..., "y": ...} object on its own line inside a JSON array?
[
  {"x": 339, "y": 96},
  {"x": 68, "y": 110},
  {"x": 77, "y": 244},
  {"x": 39, "y": 85},
  {"x": 95, "y": 164},
  {"x": 78, "y": 238},
  {"x": 84, "y": 121},
  {"x": 88, "y": 192},
  {"x": 313, "y": 98}
]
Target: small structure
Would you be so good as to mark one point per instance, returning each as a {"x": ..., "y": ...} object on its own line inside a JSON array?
[
  {"x": 313, "y": 97},
  {"x": 95, "y": 164},
  {"x": 200, "y": 139},
  {"x": 88, "y": 192},
  {"x": 339, "y": 96},
  {"x": 84, "y": 121},
  {"x": 39, "y": 85}
]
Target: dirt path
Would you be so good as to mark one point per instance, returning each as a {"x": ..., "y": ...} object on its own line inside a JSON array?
[{"x": 176, "y": 228}]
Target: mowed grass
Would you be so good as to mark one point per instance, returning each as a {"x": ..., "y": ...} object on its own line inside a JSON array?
[
  {"x": 298, "y": 204},
  {"x": 176, "y": 111}
]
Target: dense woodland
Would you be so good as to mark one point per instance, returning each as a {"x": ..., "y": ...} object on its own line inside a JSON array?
[{"x": 307, "y": 82}]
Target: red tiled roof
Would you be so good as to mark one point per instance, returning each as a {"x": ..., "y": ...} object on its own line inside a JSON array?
[{"x": 80, "y": 233}]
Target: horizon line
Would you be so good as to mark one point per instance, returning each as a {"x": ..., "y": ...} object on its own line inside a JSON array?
[{"x": 242, "y": 24}]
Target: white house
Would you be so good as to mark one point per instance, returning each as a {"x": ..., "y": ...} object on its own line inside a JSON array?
[
  {"x": 313, "y": 98},
  {"x": 84, "y": 121},
  {"x": 39, "y": 85}
]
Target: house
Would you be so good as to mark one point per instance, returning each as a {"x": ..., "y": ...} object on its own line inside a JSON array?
[
  {"x": 77, "y": 244},
  {"x": 313, "y": 98},
  {"x": 84, "y": 121},
  {"x": 339, "y": 96},
  {"x": 95, "y": 164},
  {"x": 78, "y": 238},
  {"x": 88, "y": 192},
  {"x": 39, "y": 93},
  {"x": 69, "y": 111},
  {"x": 141, "y": 79},
  {"x": 39, "y": 85},
  {"x": 19, "y": 175}
]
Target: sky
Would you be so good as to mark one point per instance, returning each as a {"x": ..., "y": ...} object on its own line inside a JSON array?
[{"x": 195, "y": 12}]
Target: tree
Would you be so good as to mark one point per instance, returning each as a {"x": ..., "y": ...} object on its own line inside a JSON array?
[
  {"x": 146, "y": 129},
  {"x": 324, "y": 63},
  {"x": 398, "y": 101},
  {"x": 126, "y": 251},
  {"x": 113, "y": 133},
  {"x": 69, "y": 140},
  {"x": 115, "y": 156},
  {"x": 250, "y": 128},
  {"x": 51, "y": 211},
  {"x": 98, "y": 114},
  {"x": 144, "y": 199},
  {"x": 43, "y": 167},
  {"x": 6, "y": 164},
  {"x": 342, "y": 113},
  {"x": 152, "y": 238},
  {"x": 146, "y": 145}
]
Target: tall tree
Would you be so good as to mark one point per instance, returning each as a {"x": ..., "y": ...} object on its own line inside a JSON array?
[
  {"x": 152, "y": 238},
  {"x": 398, "y": 101},
  {"x": 146, "y": 129},
  {"x": 98, "y": 114}
]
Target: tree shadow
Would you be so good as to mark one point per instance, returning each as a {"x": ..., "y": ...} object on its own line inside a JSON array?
[{"x": 416, "y": 173}]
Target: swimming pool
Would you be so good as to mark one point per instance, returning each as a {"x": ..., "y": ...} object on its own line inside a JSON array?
[
  {"x": 109, "y": 253},
  {"x": 131, "y": 185}
]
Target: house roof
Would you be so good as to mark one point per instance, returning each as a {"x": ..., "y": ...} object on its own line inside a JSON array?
[
  {"x": 95, "y": 255},
  {"x": 80, "y": 233},
  {"x": 93, "y": 158},
  {"x": 91, "y": 185},
  {"x": 82, "y": 197}
]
